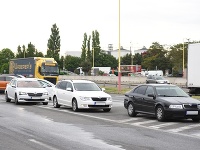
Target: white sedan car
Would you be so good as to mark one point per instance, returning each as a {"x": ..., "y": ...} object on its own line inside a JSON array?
[
  {"x": 26, "y": 90},
  {"x": 81, "y": 94}
]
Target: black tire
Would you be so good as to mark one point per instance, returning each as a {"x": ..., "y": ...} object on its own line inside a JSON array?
[
  {"x": 160, "y": 113},
  {"x": 55, "y": 102},
  {"x": 74, "y": 105},
  {"x": 131, "y": 110},
  {"x": 107, "y": 109},
  {"x": 195, "y": 119},
  {"x": 16, "y": 100},
  {"x": 45, "y": 103},
  {"x": 6, "y": 97}
]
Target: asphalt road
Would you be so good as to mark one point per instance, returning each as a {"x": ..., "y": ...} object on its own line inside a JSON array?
[{"x": 39, "y": 127}]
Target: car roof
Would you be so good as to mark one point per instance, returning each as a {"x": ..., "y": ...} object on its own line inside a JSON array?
[
  {"x": 25, "y": 79},
  {"x": 156, "y": 85},
  {"x": 79, "y": 81}
]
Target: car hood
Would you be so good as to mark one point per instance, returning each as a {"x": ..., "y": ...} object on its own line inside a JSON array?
[
  {"x": 32, "y": 90},
  {"x": 92, "y": 94},
  {"x": 180, "y": 100}
]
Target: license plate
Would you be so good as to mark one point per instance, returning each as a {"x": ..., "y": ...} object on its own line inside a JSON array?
[
  {"x": 99, "y": 103},
  {"x": 191, "y": 112}
]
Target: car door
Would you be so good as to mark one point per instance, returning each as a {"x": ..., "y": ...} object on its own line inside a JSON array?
[
  {"x": 11, "y": 89},
  {"x": 138, "y": 97},
  {"x": 61, "y": 92},
  {"x": 69, "y": 94},
  {"x": 149, "y": 102},
  {"x": 47, "y": 86}
]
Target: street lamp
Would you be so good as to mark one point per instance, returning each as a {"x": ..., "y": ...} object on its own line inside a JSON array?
[
  {"x": 184, "y": 55},
  {"x": 119, "y": 61}
]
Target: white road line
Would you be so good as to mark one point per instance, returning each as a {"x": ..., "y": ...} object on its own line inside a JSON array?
[
  {"x": 144, "y": 122},
  {"x": 163, "y": 125},
  {"x": 42, "y": 144},
  {"x": 127, "y": 120},
  {"x": 184, "y": 128},
  {"x": 80, "y": 114}
]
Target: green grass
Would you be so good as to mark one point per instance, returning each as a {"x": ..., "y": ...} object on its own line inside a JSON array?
[{"x": 114, "y": 90}]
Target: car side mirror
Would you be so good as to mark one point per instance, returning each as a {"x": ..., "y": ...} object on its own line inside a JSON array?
[
  {"x": 152, "y": 95},
  {"x": 103, "y": 89},
  {"x": 69, "y": 89},
  {"x": 13, "y": 86}
]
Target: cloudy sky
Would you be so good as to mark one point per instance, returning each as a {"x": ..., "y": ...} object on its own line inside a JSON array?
[{"x": 142, "y": 22}]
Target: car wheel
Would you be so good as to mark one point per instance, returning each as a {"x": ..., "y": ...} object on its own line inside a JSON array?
[
  {"x": 74, "y": 105},
  {"x": 160, "y": 114},
  {"x": 16, "y": 100},
  {"x": 106, "y": 109},
  {"x": 195, "y": 119},
  {"x": 55, "y": 102},
  {"x": 7, "y": 99},
  {"x": 45, "y": 103},
  {"x": 131, "y": 110}
]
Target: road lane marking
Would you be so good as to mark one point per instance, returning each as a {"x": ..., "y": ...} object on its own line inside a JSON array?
[
  {"x": 184, "y": 128},
  {"x": 127, "y": 120},
  {"x": 143, "y": 122},
  {"x": 163, "y": 125},
  {"x": 42, "y": 144},
  {"x": 117, "y": 121}
]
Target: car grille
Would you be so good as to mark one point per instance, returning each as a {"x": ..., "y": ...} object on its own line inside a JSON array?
[
  {"x": 99, "y": 99},
  {"x": 96, "y": 106},
  {"x": 190, "y": 106},
  {"x": 35, "y": 100},
  {"x": 35, "y": 94}
]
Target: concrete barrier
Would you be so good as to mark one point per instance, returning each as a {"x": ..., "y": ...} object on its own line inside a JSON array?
[{"x": 124, "y": 79}]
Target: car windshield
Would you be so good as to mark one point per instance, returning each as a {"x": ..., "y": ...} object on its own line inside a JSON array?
[
  {"x": 28, "y": 84},
  {"x": 170, "y": 91},
  {"x": 86, "y": 87}
]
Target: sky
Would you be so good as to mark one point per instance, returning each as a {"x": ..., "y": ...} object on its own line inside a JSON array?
[{"x": 142, "y": 22}]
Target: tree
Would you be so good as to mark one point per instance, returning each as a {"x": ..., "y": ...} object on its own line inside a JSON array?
[
  {"x": 84, "y": 45},
  {"x": 156, "y": 58},
  {"x": 4, "y": 61},
  {"x": 19, "y": 53},
  {"x": 72, "y": 62},
  {"x": 96, "y": 49},
  {"x": 137, "y": 59},
  {"x": 126, "y": 60},
  {"x": 54, "y": 43},
  {"x": 31, "y": 51}
]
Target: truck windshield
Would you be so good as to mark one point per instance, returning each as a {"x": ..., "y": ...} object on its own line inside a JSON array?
[{"x": 48, "y": 70}]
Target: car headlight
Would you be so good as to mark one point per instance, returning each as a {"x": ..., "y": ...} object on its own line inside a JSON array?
[
  {"x": 176, "y": 106},
  {"x": 85, "y": 98},
  {"x": 45, "y": 93},
  {"x": 22, "y": 93},
  {"x": 109, "y": 99}
]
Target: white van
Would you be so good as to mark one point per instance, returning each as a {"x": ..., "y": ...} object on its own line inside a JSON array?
[{"x": 154, "y": 72}]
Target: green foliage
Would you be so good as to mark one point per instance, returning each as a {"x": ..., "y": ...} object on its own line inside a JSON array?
[
  {"x": 106, "y": 60},
  {"x": 54, "y": 43},
  {"x": 83, "y": 54},
  {"x": 86, "y": 66},
  {"x": 156, "y": 58},
  {"x": 137, "y": 59},
  {"x": 126, "y": 60},
  {"x": 72, "y": 62},
  {"x": 5, "y": 56}
]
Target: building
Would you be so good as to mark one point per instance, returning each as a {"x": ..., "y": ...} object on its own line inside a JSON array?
[{"x": 140, "y": 51}]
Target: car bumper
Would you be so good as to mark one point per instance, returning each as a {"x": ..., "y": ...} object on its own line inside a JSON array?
[
  {"x": 183, "y": 113},
  {"x": 94, "y": 104},
  {"x": 25, "y": 98}
]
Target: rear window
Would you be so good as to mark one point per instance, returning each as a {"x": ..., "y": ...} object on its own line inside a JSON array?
[{"x": 2, "y": 78}]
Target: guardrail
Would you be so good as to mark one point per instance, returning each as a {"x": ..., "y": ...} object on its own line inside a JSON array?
[{"x": 125, "y": 80}]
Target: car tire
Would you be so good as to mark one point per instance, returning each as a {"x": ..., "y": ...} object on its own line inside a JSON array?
[
  {"x": 131, "y": 110},
  {"x": 16, "y": 100},
  {"x": 160, "y": 113},
  {"x": 6, "y": 97},
  {"x": 55, "y": 102},
  {"x": 195, "y": 119},
  {"x": 74, "y": 105},
  {"x": 45, "y": 103},
  {"x": 107, "y": 109}
]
